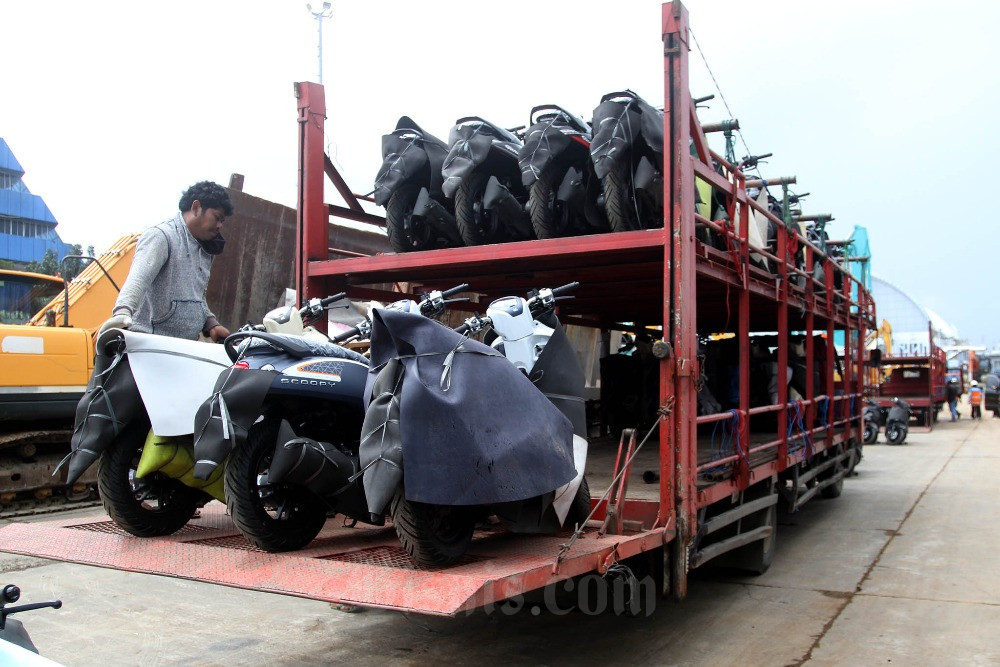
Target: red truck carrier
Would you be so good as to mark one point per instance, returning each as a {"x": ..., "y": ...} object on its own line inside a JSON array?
[
  {"x": 917, "y": 379},
  {"x": 716, "y": 498}
]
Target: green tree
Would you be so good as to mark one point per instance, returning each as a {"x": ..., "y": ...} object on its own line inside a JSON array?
[
  {"x": 71, "y": 267},
  {"x": 49, "y": 264}
]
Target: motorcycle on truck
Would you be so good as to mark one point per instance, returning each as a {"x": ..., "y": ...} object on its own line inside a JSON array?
[
  {"x": 457, "y": 431},
  {"x": 564, "y": 191},
  {"x": 286, "y": 418},
  {"x": 627, "y": 152},
  {"x": 482, "y": 176},
  {"x": 417, "y": 214}
]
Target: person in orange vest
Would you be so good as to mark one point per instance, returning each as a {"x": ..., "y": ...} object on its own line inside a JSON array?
[{"x": 976, "y": 400}]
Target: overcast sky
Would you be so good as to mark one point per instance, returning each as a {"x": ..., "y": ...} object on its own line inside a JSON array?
[{"x": 885, "y": 111}]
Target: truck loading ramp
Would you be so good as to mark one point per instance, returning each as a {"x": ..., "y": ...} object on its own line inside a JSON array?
[{"x": 361, "y": 565}]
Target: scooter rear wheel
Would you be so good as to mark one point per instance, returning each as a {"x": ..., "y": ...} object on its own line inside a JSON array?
[
  {"x": 626, "y": 209},
  {"x": 149, "y": 506},
  {"x": 405, "y": 232},
  {"x": 476, "y": 225},
  {"x": 432, "y": 535},
  {"x": 580, "y": 508},
  {"x": 273, "y": 517},
  {"x": 549, "y": 217}
]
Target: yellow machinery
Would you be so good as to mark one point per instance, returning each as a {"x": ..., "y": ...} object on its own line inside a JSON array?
[{"x": 45, "y": 364}]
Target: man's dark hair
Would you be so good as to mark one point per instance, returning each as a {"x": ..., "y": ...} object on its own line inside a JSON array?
[{"x": 211, "y": 195}]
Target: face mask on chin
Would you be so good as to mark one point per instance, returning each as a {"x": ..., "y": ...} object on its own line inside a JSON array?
[{"x": 213, "y": 246}]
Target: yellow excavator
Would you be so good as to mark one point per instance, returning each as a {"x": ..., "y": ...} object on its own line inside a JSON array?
[{"x": 46, "y": 358}]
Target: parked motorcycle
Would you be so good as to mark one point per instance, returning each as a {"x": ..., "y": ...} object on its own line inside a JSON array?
[
  {"x": 896, "y": 423},
  {"x": 557, "y": 170},
  {"x": 417, "y": 214},
  {"x": 627, "y": 152},
  {"x": 13, "y": 636},
  {"x": 527, "y": 471},
  {"x": 482, "y": 175},
  {"x": 288, "y": 417},
  {"x": 873, "y": 421}
]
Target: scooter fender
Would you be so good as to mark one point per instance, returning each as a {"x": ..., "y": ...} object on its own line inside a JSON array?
[
  {"x": 618, "y": 125},
  {"x": 403, "y": 161},
  {"x": 542, "y": 143},
  {"x": 109, "y": 404},
  {"x": 222, "y": 421},
  {"x": 470, "y": 145}
]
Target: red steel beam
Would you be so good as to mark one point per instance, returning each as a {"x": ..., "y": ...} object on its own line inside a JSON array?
[{"x": 311, "y": 218}]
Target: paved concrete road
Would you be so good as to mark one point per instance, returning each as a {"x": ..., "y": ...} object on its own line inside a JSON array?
[{"x": 901, "y": 569}]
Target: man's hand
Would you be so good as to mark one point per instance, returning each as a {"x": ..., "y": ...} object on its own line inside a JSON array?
[
  {"x": 116, "y": 322},
  {"x": 218, "y": 333}
]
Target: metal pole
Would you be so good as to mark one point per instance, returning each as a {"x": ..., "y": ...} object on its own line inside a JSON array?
[{"x": 324, "y": 13}]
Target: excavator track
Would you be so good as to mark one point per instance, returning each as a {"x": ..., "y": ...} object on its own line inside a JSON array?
[{"x": 29, "y": 481}]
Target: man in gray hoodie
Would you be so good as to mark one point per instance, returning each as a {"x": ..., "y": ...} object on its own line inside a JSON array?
[{"x": 165, "y": 289}]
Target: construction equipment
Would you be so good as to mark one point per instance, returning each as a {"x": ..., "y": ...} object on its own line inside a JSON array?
[{"x": 46, "y": 362}]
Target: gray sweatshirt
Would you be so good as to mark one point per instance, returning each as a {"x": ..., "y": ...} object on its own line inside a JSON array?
[{"x": 165, "y": 289}]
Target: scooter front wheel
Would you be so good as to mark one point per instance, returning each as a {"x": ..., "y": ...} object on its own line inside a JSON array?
[
  {"x": 895, "y": 434},
  {"x": 149, "y": 506},
  {"x": 871, "y": 433},
  {"x": 432, "y": 535},
  {"x": 273, "y": 517}
]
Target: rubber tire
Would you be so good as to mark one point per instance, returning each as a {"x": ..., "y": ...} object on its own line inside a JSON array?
[
  {"x": 871, "y": 433},
  {"x": 834, "y": 490},
  {"x": 308, "y": 512},
  {"x": 418, "y": 529},
  {"x": 895, "y": 435},
  {"x": 471, "y": 191},
  {"x": 620, "y": 201},
  {"x": 398, "y": 210},
  {"x": 580, "y": 508},
  {"x": 756, "y": 557},
  {"x": 542, "y": 205},
  {"x": 119, "y": 497}
]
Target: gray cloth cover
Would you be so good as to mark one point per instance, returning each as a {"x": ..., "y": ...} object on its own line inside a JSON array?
[
  {"x": 471, "y": 428},
  {"x": 617, "y": 125}
]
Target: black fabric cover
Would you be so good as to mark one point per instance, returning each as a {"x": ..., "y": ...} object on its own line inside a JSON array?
[
  {"x": 559, "y": 376},
  {"x": 243, "y": 392},
  {"x": 472, "y": 429},
  {"x": 542, "y": 143},
  {"x": 110, "y": 403},
  {"x": 617, "y": 125}
]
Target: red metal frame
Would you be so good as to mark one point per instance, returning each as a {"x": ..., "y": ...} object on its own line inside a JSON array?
[{"x": 666, "y": 266}]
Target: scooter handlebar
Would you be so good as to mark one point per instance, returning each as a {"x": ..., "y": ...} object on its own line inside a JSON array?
[
  {"x": 568, "y": 287},
  {"x": 331, "y": 299},
  {"x": 455, "y": 290}
]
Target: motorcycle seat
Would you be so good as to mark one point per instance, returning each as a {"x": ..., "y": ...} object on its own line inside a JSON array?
[{"x": 300, "y": 348}]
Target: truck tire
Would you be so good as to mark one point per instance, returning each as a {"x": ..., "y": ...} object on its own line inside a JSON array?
[
  {"x": 278, "y": 517},
  {"x": 580, "y": 508},
  {"x": 150, "y": 506},
  {"x": 549, "y": 217},
  {"x": 399, "y": 215},
  {"x": 432, "y": 535},
  {"x": 834, "y": 490},
  {"x": 756, "y": 557}
]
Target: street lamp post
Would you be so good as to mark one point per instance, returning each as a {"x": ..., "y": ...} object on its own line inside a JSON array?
[{"x": 324, "y": 13}]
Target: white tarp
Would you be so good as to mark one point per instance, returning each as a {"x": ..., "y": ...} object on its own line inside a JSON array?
[{"x": 174, "y": 377}]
